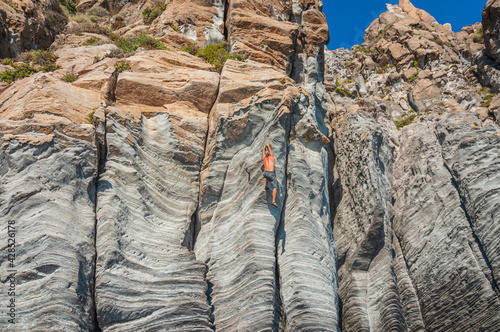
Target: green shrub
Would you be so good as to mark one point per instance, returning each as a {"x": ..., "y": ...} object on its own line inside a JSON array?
[
  {"x": 91, "y": 116},
  {"x": 69, "y": 5},
  {"x": 98, "y": 11},
  {"x": 477, "y": 39},
  {"x": 91, "y": 41},
  {"x": 69, "y": 77},
  {"x": 149, "y": 15},
  {"x": 337, "y": 83},
  {"x": 176, "y": 28},
  {"x": 8, "y": 62},
  {"x": 128, "y": 45},
  {"x": 34, "y": 61},
  {"x": 122, "y": 66},
  {"x": 408, "y": 120},
  {"x": 191, "y": 49},
  {"x": 21, "y": 71},
  {"x": 413, "y": 77},
  {"x": 283, "y": 80},
  {"x": 344, "y": 92},
  {"x": 98, "y": 14},
  {"x": 416, "y": 64},
  {"x": 40, "y": 57},
  {"x": 217, "y": 54}
]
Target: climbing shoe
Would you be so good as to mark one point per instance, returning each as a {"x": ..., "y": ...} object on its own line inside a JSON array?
[{"x": 274, "y": 203}]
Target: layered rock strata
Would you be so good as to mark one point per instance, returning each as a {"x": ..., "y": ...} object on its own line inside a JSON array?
[
  {"x": 138, "y": 192},
  {"x": 405, "y": 195}
]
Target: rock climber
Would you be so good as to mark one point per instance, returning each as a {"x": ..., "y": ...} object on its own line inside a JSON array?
[{"x": 268, "y": 160}]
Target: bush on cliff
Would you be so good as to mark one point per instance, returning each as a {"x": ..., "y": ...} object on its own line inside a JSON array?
[
  {"x": 217, "y": 54},
  {"x": 34, "y": 61},
  {"x": 149, "y": 15},
  {"x": 128, "y": 45}
]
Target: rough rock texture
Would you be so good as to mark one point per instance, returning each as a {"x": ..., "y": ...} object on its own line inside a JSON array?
[
  {"x": 147, "y": 196},
  {"x": 491, "y": 28},
  {"x": 415, "y": 224},
  {"x": 47, "y": 180},
  {"x": 431, "y": 220},
  {"x": 137, "y": 190},
  {"x": 26, "y": 25}
]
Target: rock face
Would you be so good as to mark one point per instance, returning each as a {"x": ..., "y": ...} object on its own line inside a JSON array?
[
  {"x": 48, "y": 172},
  {"x": 26, "y": 25},
  {"x": 491, "y": 28},
  {"x": 412, "y": 253},
  {"x": 136, "y": 190}
]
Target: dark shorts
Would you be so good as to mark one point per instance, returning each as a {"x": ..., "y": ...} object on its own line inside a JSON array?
[{"x": 271, "y": 177}]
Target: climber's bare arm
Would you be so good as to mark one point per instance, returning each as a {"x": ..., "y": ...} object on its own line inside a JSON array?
[{"x": 270, "y": 150}]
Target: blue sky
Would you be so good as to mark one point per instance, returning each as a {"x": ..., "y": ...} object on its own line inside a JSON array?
[{"x": 349, "y": 19}]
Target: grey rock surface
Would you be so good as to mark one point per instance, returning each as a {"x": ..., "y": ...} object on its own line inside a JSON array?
[
  {"x": 47, "y": 196},
  {"x": 306, "y": 253},
  {"x": 364, "y": 148},
  {"x": 454, "y": 290},
  {"x": 237, "y": 224},
  {"x": 146, "y": 199},
  {"x": 472, "y": 156}
]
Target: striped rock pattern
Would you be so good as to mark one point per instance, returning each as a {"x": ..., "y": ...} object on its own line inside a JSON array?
[
  {"x": 237, "y": 223},
  {"x": 454, "y": 290},
  {"x": 147, "y": 198},
  {"x": 47, "y": 196}
]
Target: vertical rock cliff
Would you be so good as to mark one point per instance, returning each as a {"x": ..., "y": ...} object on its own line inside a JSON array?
[{"x": 131, "y": 169}]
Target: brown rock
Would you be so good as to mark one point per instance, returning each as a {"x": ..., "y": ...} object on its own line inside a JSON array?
[
  {"x": 409, "y": 72},
  {"x": 26, "y": 25},
  {"x": 491, "y": 28},
  {"x": 424, "y": 95},
  {"x": 398, "y": 52}
]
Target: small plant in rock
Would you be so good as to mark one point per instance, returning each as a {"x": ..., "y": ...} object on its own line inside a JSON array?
[
  {"x": 476, "y": 124},
  {"x": 8, "y": 62},
  {"x": 344, "y": 92},
  {"x": 122, "y": 66},
  {"x": 174, "y": 62},
  {"x": 191, "y": 49},
  {"x": 69, "y": 77},
  {"x": 337, "y": 83},
  {"x": 218, "y": 54},
  {"x": 413, "y": 77},
  {"x": 97, "y": 58},
  {"x": 91, "y": 41},
  {"x": 361, "y": 49},
  {"x": 149, "y": 15},
  {"x": 128, "y": 45},
  {"x": 416, "y": 64},
  {"x": 91, "y": 115},
  {"x": 283, "y": 80},
  {"x": 175, "y": 28},
  {"x": 33, "y": 61},
  {"x": 406, "y": 121},
  {"x": 487, "y": 99}
]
